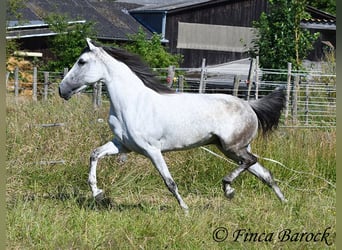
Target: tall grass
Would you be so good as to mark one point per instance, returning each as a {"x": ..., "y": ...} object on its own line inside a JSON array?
[{"x": 50, "y": 205}]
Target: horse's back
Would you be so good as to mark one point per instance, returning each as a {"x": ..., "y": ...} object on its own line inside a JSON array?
[
  {"x": 189, "y": 120},
  {"x": 209, "y": 106}
]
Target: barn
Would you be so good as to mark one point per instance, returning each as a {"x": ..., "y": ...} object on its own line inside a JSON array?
[
  {"x": 219, "y": 30},
  {"x": 216, "y": 30},
  {"x": 112, "y": 22},
  {"x": 325, "y": 24}
]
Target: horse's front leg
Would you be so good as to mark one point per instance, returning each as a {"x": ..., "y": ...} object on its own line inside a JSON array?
[
  {"x": 110, "y": 148},
  {"x": 158, "y": 161}
]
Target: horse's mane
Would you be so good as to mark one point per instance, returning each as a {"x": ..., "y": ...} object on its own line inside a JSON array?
[{"x": 139, "y": 67}]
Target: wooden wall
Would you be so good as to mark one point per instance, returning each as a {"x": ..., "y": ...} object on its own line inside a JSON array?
[{"x": 229, "y": 12}]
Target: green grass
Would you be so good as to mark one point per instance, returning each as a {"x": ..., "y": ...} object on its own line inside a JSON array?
[{"x": 50, "y": 205}]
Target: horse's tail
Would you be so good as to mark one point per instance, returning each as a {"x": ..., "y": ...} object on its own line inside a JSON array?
[{"x": 268, "y": 109}]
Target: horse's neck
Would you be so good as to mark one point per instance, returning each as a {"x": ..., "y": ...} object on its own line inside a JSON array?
[{"x": 124, "y": 87}]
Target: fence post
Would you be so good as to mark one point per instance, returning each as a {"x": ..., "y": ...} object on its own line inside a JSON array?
[
  {"x": 288, "y": 91},
  {"x": 250, "y": 78},
  {"x": 307, "y": 93},
  {"x": 170, "y": 75},
  {"x": 7, "y": 77},
  {"x": 95, "y": 90},
  {"x": 99, "y": 94},
  {"x": 46, "y": 85},
  {"x": 236, "y": 85},
  {"x": 181, "y": 83},
  {"x": 257, "y": 78},
  {"x": 16, "y": 83},
  {"x": 295, "y": 99},
  {"x": 202, "y": 80},
  {"x": 65, "y": 72},
  {"x": 34, "y": 84}
]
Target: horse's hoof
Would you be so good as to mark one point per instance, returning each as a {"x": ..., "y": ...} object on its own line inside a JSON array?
[
  {"x": 229, "y": 192},
  {"x": 122, "y": 158},
  {"x": 99, "y": 197},
  {"x": 103, "y": 201}
]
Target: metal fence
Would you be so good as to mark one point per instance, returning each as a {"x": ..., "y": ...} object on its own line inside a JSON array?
[
  {"x": 35, "y": 84},
  {"x": 311, "y": 95}
]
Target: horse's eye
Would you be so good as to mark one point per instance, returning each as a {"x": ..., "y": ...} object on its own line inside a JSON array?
[{"x": 81, "y": 62}]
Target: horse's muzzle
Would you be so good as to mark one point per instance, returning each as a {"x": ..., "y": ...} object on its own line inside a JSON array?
[{"x": 64, "y": 93}]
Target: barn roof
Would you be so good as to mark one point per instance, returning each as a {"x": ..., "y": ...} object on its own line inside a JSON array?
[
  {"x": 316, "y": 13},
  {"x": 112, "y": 20},
  {"x": 163, "y": 4},
  {"x": 169, "y": 5},
  {"x": 319, "y": 20},
  {"x": 172, "y": 5}
]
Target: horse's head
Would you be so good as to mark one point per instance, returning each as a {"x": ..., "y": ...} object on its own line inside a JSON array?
[{"x": 86, "y": 71}]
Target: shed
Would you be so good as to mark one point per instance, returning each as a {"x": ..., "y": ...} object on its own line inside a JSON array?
[
  {"x": 325, "y": 24},
  {"x": 216, "y": 30},
  {"x": 112, "y": 20}
]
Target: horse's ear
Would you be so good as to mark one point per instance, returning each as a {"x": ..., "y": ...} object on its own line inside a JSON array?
[{"x": 90, "y": 45}]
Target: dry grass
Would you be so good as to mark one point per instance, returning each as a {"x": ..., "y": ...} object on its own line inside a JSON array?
[{"x": 50, "y": 205}]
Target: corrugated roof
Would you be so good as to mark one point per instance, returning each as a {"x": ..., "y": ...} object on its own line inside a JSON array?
[
  {"x": 111, "y": 19},
  {"x": 319, "y": 24},
  {"x": 319, "y": 20},
  {"x": 169, "y": 5}
]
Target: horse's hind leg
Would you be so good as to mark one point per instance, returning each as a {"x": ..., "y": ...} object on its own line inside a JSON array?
[
  {"x": 245, "y": 160},
  {"x": 248, "y": 161},
  {"x": 266, "y": 176}
]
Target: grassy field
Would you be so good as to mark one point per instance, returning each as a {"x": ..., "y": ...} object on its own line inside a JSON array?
[{"x": 49, "y": 206}]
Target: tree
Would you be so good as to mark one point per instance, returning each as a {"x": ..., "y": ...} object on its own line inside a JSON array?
[
  {"x": 280, "y": 39},
  {"x": 69, "y": 42},
  {"x": 152, "y": 51}
]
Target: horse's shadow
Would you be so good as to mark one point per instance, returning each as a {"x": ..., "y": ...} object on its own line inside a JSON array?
[
  {"x": 106, "y": 203},
  {"x": 83, "y": 201},
  {"x": 103, "y": 203}
]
